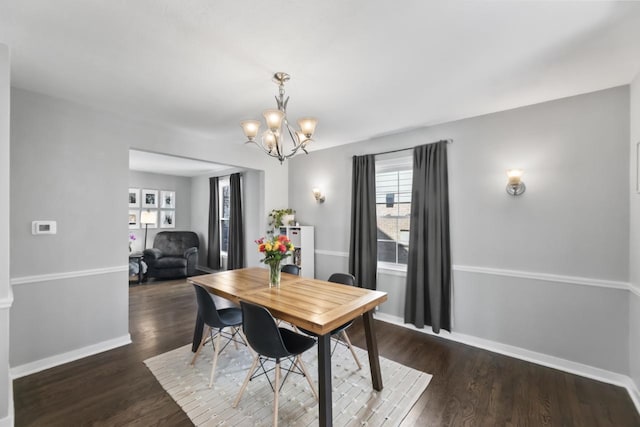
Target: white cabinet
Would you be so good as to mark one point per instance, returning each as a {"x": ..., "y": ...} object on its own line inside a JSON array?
[{"x": 303, "y": 255}]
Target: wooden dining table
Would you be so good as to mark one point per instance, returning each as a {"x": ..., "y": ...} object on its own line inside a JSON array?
[{"x": 315, "y": 305}]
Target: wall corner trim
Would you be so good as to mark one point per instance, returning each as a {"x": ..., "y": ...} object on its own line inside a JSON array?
[
  {"x": 70, "y": 356},
  {"x": 8, "y": 421},
  {"x": 529, "y": 356}
]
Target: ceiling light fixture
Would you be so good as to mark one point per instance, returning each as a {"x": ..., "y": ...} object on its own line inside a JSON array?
[{"x": 271, "y": 140}]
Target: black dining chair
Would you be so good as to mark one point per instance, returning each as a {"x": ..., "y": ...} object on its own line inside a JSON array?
[
  {"x": 291, "y": 269},
  {"x": 217, "y": 319},
  {"x": 271, "y": 342},
  {"x": 339, "y": 334}
]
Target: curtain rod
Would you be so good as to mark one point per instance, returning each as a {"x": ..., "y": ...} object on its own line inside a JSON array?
[{"x": 448, "y": 141}]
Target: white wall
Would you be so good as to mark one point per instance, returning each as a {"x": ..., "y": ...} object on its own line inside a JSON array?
[
  {"x": 634, "y": 244},
  {"x": 154, "y": 181},
  {"x": 70, "y": 163},
  {"x": 6, "y": 406},
  {"x": 571, "y": 226}
]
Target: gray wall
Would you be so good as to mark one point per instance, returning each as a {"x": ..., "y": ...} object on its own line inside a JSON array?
[
  {"x": 572, "y": 221},
  {"x": 70, "y": 163},
  {"x": 634, "y": 245},
  {"x": 5, "y": 303},
  {"x": 64, "y": 167},
  {"x": 153, "y": 181}
]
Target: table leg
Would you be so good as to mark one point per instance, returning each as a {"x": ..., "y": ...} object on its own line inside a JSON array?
[
  {"x": 324, "y": 380},
  {"x": 197, "y": 334},
  {"x": 372, "y": 349}
]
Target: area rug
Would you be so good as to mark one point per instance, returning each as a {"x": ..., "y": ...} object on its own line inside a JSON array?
[{"x": 355, "y": 403}]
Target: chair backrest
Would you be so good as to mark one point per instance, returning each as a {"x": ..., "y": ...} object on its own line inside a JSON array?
[
  {"x": 343, "y": 278},
  {"x": 261, "y": 331},
  {"x": 174, "y": 243},
  {"x": 207, "y": 308},
  {"x": 291, "y": 269}
]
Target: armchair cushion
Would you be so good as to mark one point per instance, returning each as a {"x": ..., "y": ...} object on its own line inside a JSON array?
[{"x": 174, "y": 254}]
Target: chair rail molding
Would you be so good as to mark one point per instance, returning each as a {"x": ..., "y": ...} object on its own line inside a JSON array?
[
  {"x": 67, "y": 275},
  {"x": 332, "y": 253},
  {"x": 7, "y": 302},
  {"x": 573, "y": 280},
  {"x": 556, "y": 278}
]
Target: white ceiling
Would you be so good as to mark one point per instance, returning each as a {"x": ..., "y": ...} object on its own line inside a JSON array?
[{"x": 362, "y": 67}]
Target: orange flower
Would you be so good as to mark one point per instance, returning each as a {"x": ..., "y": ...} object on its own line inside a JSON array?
[{"x": 261, "y": 247}]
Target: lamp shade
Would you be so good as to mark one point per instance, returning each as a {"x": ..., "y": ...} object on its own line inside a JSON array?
[
  {"x": 148, "y": 217},
  {"x": 514, "y": 176},
  {"x": 250, "y": 128},
  {"x": 273, "y": 119},
  {"x": 307, "y": 126}
]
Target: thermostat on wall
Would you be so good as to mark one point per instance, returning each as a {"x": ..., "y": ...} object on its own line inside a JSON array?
[{"x": 43, "y": 227}]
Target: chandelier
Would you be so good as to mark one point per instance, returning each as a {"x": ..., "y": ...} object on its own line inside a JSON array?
[{"x": 271, "y": 141}]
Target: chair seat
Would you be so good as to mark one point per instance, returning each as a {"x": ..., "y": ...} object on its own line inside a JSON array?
[
  {"x": 170, "y": 262},
  {"x": 296, "y": 343},
  {"x": 230, "y": 316}
]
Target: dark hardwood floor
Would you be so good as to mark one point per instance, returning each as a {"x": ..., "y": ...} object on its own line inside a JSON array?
[{"x": 470, "y": 387}]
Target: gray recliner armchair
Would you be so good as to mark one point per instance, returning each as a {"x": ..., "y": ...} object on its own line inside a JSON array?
[{"x": 174, "y": 254}]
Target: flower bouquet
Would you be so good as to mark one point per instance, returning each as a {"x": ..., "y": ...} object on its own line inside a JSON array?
[
  {"x": 132, "y": 238},
  {"x": 275, "y": 250}
]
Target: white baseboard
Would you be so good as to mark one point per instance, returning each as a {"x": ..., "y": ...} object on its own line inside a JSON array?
[
  {"x": 530, "y": 356},
  {"x": 70, "y": 356}
]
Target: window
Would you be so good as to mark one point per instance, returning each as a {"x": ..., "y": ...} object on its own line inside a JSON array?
[
  {"x": 224, "y": 214},
  {"x": 393, "y": 209}
]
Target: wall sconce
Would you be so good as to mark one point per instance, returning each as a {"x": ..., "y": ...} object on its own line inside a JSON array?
[
  {"x": 515, "y": 186},
  {"x": 318, "y": 195}
]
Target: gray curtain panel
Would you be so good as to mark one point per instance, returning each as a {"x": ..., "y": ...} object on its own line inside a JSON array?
[
  {"x": 363, "y": 247},
  {"x": 213, "y": 253},
  {"x": 428, "y": 296},
  {"x": 235, "y": 253}
]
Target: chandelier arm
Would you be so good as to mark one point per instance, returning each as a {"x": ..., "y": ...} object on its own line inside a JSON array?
[{"x": 263, "y": 148}]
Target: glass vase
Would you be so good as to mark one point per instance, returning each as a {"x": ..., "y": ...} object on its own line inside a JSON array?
[{"x": 274, "y": 274}]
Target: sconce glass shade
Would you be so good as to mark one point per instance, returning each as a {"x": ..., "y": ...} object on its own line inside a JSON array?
[
  {"x": 514, "y": 176},
  {"x": 318, "y": 195},
  {"x": 273, "y": 119},
  {"x": 515, "y": 186},
  {"x": 250, "y": 128},
  {"x": 307, "y": 126}
]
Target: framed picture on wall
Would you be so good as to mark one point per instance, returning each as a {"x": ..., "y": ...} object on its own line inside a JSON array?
[
  {"x": 167, "y": 219},
  {"x": 168, "y": 199},
  {"x": 134, "y": 219},
  {"x": 134, "y": 197},
  {"x": 149, "y": 198}
]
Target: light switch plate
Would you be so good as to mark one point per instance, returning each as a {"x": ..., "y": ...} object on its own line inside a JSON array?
[{"x": 43, "y": 227}]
